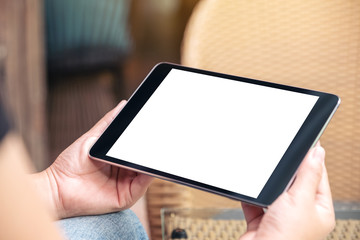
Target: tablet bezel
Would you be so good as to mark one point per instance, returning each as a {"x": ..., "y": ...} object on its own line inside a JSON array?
[{"x": 285, "y": 170}]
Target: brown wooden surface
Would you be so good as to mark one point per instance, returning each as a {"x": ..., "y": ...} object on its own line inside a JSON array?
[
  {"x": 75, "y": 104},
  {"x": 23, "y": 84}
]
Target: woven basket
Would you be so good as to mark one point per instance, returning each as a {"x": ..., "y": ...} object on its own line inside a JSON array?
[{"x": 310, "y": 44}]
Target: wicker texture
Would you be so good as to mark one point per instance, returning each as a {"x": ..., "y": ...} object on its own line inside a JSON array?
[
  {"x": 164, "y": 194},
  {"x": 310, "y": 44},
  {"x": 210, "y": 229}
]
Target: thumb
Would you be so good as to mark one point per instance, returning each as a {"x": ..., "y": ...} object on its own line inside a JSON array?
[
  {"x": 103, "y": 123},
  {"x": 309, "y": 174}
]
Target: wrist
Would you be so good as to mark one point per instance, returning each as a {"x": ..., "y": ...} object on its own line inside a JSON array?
[{"x": 47, "y": 188}]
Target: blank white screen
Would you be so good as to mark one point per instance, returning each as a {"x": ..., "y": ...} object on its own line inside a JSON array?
[{"x": 224, "y": 133}]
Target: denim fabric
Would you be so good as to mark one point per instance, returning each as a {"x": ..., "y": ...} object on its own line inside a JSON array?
[{"x": 119, "y": 225}]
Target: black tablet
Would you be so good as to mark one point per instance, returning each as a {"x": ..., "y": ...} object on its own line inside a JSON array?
[{"x": 237, "y": 137}]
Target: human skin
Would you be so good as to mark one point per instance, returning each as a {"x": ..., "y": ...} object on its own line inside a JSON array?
[
  {"x": 76, "y": 185},
  {"x": 22, "y": 215},
  {"x": 305, "y": 211}
]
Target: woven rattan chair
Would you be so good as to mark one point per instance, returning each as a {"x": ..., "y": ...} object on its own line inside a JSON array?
[{"x": 310, "y": 44}]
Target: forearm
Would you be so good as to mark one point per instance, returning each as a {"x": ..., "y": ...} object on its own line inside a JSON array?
[
  {"x": 47, "y": 189},
  {"x": 23, "y": 216}
]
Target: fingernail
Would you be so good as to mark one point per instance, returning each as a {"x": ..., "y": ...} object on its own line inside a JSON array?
[
  {"x": 122, "y": 103},
  {"x": 319, "y": 153}
]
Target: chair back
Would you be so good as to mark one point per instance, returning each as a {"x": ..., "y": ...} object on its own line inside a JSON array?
[{"x": 309, "y": 44}]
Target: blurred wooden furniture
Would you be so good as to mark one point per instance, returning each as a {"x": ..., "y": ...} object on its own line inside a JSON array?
[
  {"x": 22, "y": 81},
  {"x": 75, "y": 104},
  {"x": 310, "y": 44}
]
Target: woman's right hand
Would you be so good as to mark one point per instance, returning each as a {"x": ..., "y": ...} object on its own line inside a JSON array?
[{"x": 304, "y": 212}]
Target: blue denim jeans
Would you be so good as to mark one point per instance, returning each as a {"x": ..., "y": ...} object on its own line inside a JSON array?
[{"x": 119, "y": 225}]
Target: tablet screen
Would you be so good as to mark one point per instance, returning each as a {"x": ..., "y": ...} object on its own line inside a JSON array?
[{"x": 225, "y": 133}]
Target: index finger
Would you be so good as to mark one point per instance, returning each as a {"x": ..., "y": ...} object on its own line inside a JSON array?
[
  {"x": 324, "y": 193},
  {"x": 309, "y": 174},
  {"x": 253, "y": 215}
]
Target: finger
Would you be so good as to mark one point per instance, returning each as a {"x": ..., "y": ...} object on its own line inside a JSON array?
[
  {"x": 309, "y": 174},
  {"x": 103, "y": 123},
  {"x": 142, "y": 180},
  {"x": 324, "y": 192},
  {"x": 252, "y": 214},
  {"x": 125, "y": 175},
  {"x": 140, "y": 184}
]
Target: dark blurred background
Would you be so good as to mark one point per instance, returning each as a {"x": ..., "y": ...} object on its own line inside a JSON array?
[{"x": 64, "y": 63}]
